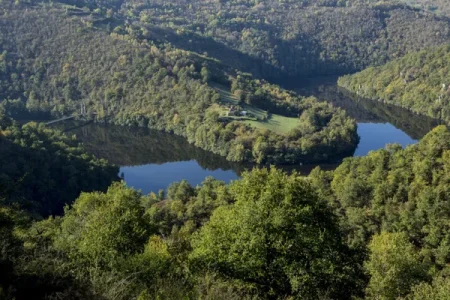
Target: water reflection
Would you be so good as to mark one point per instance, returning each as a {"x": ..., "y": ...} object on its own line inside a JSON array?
[
  {"x": 150, "y": 160},
  {"x": 374, "y": 136},
  {"x": 367, "y": 111},
  {"x": 132, "y": 146}
]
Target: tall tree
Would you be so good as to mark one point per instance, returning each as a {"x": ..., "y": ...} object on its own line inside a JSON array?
[
  {"x": 278, "y": 237},
  {"x": 394, "y": 266}
]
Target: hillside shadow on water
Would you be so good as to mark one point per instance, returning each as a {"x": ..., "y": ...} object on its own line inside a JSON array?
[
  {"x": 361, "y": 109},
  {"x": 135, "y": 146}
]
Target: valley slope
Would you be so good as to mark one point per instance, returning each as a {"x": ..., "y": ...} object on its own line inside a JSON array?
[
  {"x": 307, "y": 38},
  {"x": 419, "y": 82},
  {"x": 60, "y": 60}
]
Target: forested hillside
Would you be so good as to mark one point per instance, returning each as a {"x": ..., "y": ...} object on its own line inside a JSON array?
[
  {"x": 419, "y": 82},
  {"x": 394, "y": 203},
  {"x": 53, "y": 60},
  {"x": 439, "y": 7},
  {"x": 376, "y": 227},
  {"x": 274, "y": 38},
  {"x": 41, "y": 169},
  {"x": 294, "y": 37}
]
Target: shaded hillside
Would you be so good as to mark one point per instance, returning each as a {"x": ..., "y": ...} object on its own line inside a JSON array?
[
  {"x": 295, "y": 37},
  {"x": 440, "y": 7},
  {"x": 364, "y": 110},
  {"x": 419, "y": 82},
  {"x": 41, "y": 170}
]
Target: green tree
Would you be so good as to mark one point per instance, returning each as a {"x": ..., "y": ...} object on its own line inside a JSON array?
[
  {"x": 394, "y": 266},
  {"x": 260, "y": 150},
  {"x": 102, "y": 227},
  {"x": 279, "y": 237},
  {"x": 438, "y": 290},
  {"x": 180, "y": 191},
  {"x": 206, "y": 74}
]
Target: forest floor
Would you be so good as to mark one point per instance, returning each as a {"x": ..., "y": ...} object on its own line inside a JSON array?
[{"x": 276, "y": 123}]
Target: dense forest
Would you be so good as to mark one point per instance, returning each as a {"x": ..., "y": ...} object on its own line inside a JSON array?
[
  {"x": 439, "y": 7},
  {"x": 271, "y": 38},
  {"x": 42, "y": 169},
  {"x": 365, "y": 110},
  {"x": 419, "y": 82},
  {"x": 295, "y": 37},
  {"x": 375, "y": 228},
  {"x": 58, "y": 62},
  {"x": 394, "y": 203}
]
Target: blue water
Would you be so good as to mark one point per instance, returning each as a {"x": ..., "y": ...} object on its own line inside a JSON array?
[
  {"x": 374, "y": 136},
  {"x": 155, "y": 168},
  {"x": 153, "y": 177}
]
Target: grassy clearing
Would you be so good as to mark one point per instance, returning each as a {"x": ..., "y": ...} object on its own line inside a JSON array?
[
  {"x": 277, "y": 123},
  {"x": 226, "y": 96}
]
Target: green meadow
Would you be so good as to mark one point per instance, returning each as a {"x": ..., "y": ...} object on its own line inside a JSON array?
[{"x": 276, "y": 123}]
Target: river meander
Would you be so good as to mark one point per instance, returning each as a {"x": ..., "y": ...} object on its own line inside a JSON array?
[{"x": 150, "y": 160}]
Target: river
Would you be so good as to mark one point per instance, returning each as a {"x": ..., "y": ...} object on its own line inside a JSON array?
[{"x": 150, "y": 160}]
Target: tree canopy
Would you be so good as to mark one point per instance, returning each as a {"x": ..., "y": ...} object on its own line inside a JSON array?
[
  {"x": 127, "y": 77},
  {"x": 418, "y": 81},
  {"x": 374, "y": 228},
  {"x": 277, "y": 236},
  {"x": 395, "y": 199}
]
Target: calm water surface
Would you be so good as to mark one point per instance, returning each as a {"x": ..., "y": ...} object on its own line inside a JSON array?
[
  {"x": 374, "y": 136},
  {"x": 379, "y": 124},
  {"x": 150, "y": 160},
  {"x": 152, "y": 177}
]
